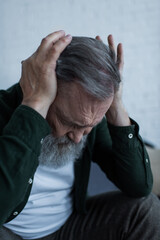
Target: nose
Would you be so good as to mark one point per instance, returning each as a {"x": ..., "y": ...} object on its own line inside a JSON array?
[{"x": 77, "y": 135}]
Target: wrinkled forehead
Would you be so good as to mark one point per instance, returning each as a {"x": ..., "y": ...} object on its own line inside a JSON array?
[{"x": 76, "y": 106}]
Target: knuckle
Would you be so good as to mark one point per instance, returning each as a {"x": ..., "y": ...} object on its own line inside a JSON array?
[
  {"x": 64, "y": 40},
  {"x": 24, "y": 64},
  {"x": 44, "y": 41},
  {"x": 54, "y": 50},
  {"x": 53, "y": 54}
]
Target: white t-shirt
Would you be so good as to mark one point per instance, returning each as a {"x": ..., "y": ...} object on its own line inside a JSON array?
[{"x": 49, "y": 204}]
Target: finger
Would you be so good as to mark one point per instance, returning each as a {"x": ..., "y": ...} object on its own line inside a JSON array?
[
  {"x": 49, "y": 40},
  {"x": 98, "y": 38},
  {"x": 120, "y": 56},
  {"x": 52, "y": 37},
  {"x": 58, "y": 48},
  {"x": 111, "y": 42},
  {"x": 112, "y": 47}
]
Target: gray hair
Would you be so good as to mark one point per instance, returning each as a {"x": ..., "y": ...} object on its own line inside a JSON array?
[{"x": 92, "y": 64}]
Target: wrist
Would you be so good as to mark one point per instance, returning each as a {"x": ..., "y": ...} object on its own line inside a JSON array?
[
  {"x": 118, "y": 116},
  {"x": 40, "y": 107}
]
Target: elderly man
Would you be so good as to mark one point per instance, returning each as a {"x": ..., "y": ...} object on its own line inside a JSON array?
[{"x": 66, "y": 111}]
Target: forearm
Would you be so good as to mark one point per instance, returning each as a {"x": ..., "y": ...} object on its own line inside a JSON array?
[
  {"x": 122, "y": 156},
  {"x": 132, "y": 166},
  {"x": 20, "y": 145}
]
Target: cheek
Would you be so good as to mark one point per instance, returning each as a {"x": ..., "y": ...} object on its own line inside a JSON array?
[
  {"x": 58, "y": 130},
  {"x": 87, "y": 130}
]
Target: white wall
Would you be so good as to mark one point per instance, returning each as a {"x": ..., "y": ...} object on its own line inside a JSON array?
[{"x": 135, "y": 23}]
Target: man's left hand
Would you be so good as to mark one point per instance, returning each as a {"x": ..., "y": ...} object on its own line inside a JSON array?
[{"x": 117, "y": 114}]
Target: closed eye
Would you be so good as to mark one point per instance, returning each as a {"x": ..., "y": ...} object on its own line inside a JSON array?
[{"x": 65, "y": 121}]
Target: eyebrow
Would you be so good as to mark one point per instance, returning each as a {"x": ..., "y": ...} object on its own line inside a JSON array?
[{"x": 65, "y": 120}]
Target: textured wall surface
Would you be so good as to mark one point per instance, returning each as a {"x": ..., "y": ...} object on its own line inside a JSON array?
[{"x": 134, "y": 23}]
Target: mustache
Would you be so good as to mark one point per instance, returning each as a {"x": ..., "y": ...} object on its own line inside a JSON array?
[
  {"x": 59, "y": 141},
  {"x": 62, "y": 140}
]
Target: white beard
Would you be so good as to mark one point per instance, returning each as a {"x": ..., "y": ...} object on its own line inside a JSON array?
[{"x": 57, "y": 152}]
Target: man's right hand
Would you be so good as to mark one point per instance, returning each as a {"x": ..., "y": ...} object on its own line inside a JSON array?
[{"x": 38, "y": 80}]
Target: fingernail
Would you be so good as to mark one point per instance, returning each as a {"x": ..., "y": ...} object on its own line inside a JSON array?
[{"x": 68, "y": 36}]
